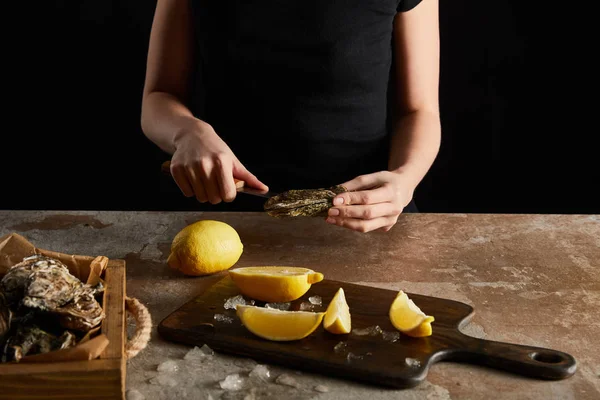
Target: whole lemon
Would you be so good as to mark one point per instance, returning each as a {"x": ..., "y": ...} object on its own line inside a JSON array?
[{"x": 205, "y": 247}]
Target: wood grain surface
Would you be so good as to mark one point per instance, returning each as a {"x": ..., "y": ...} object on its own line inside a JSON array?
[
  {"x": 114, "y": 304},
  {"x": 96, "y": 379}
]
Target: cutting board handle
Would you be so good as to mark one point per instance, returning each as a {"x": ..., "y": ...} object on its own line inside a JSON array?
[{"x": 536, "y": 362}]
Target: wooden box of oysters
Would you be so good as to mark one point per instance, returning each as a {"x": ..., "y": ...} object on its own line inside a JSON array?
[{"x": 63, "y": 324}]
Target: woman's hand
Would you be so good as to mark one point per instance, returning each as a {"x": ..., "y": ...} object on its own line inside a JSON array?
[
  {"x": 373, "y": 201},
  {"x": 204, "y": 166}
]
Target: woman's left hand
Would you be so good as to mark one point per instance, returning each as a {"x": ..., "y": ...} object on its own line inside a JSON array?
[{"x": 373, "y": 201}]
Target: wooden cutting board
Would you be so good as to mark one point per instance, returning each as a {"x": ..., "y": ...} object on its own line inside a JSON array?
[{"x": 400, "y": 364}]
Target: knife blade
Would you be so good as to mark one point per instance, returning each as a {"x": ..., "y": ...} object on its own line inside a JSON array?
[{"x": 240, "y": 185}]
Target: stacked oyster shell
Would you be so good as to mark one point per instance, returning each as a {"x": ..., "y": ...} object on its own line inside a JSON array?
[
  {"x": 43, "y": 308},
  {"x": 303, "y": 202}
]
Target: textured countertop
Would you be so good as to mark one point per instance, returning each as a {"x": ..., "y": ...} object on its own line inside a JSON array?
[{"x": 532, "y": 279}]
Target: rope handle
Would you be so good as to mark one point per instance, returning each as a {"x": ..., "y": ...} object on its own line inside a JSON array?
[{"x": 143, "y": 327}]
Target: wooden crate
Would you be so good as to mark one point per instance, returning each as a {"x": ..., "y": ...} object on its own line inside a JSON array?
[{"x": 102, "y": 378}]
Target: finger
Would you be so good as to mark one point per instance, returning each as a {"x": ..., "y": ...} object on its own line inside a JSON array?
[
  {"x": 196, "y": 182},
  {"x": 225, "y": 180},
  {"x": 373, "y": 196},
  {"x": 365, "y": 211},
  {"x": 363, "y": 225},
  {"x": 240, "y": 172},
  {"x": 181, "y": 179},
  {"x": 209, "y": 181},
  {"x": 386, "y": 228},
  {"x": 367, "y": 181}
]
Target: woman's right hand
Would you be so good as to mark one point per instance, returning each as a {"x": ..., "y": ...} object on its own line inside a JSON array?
[{"x": 205, "y": 167}]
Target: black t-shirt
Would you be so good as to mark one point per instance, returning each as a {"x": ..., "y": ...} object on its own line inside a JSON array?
[{"x": 298, "y": 88}]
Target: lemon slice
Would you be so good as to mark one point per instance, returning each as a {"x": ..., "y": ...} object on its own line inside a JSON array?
[
  {"x": 277, "y": 325},
  {"x": 337, "y": 318},
  {"x": 274, "y": 284},
  {"x": 408, "y": 318}
]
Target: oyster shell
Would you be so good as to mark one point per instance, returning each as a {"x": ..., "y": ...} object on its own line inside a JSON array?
[
  {"x": 30, "y": 339},
  {"x": 45, "y": 284},
  {"x": 303, "y": 202},
  {"x": 51, "y": 287},
  {"x": 64, "y": 295},
  {"x": 5, "y": 318},
  {"x": 83, "y": 313},
  {"x": 15, "y": 282}
]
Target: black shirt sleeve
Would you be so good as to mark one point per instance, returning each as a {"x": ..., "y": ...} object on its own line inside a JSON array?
[{"x": 407, "y": 5}]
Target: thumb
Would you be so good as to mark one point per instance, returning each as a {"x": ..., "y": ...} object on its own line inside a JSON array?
[{"x": 240, "y": 172}]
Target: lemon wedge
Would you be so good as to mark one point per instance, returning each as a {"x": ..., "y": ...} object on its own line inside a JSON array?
[
  {"x": 337, "y": 318},
  {"x": 424, "y": 328},
  {"x": 278, "y": 325},
  {"x": 408, "y": 318},
  {"x": 274, "y": 284}
]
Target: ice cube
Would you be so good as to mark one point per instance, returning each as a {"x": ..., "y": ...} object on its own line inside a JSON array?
[
  {"x": 360, "y": 332},
  {"x": 164, "y": 380},
  {"x": 168, "y": 366},
  {"x": 260, "y": 372},
  {"x": 316, "y": 300},
  {"x": 321, "y": 388},
  {"x": 306, "y": 306},
  {"x": 232, "y": 382},
  {"x": 232, "y": 302},
  {"x": 287, "y": 380},
  {"x": 223, "y": 318},
  {"x": 411, "y": 362},
  {"x": 207, "y": 350},
  {"x": 195, "y": 354},
  {"x": 340, "y": 347},
  {"x": 133, "y": 394},
  {"x": 370, "y": 331},
  {"x": 351, "y": 356},
  {"x": 391, "y": 336},
  {"x": 279, "y": 306}
]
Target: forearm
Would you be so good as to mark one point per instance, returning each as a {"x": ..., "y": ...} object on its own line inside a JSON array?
[
  {"x": 165, "y": 118},
  {"x": 415, "y": 144}
]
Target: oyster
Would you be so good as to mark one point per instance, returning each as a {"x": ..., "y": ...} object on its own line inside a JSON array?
[
  {"x": 5, "y": 318},
  {"x": 30, "y": 339},
  {"x": 15, "y": 282},
  {"x": 83, "y": 313},
  {"x": 66, "y": 296},
  {"x": 302, "y": 203},
  {"x": 46, "y": 284},
  {"x": 51, "y": 287}
]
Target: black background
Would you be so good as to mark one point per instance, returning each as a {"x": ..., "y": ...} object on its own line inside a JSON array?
[{"x": 518, "y": 108}]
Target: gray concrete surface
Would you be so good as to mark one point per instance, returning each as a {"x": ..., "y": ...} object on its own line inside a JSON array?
[{"x": 532, "y": 279}]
